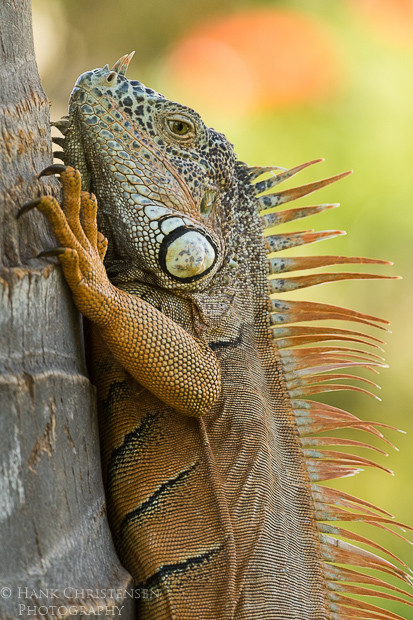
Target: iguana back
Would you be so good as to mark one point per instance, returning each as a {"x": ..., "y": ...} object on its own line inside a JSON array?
[{"x": 217, "y": 510}]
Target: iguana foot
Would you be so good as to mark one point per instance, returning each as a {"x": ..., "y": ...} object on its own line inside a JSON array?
[
  {"x": 162, "y": 356},
  {"x": 82, "y": 246}
]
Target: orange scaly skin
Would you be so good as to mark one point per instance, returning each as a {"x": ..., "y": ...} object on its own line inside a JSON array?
[
  {"x": 211, "y": 452},
  {"x": 111, "y": 309}
]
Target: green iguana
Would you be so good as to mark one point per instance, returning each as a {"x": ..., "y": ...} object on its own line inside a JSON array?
[{"x": 212, "y": 450}]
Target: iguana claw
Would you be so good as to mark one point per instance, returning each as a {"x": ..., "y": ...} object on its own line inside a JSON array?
[
  {"x": 59, "y": 141},
  {"x": 58, "y": 251},
  {"x": 62, "y": 124},
  {"x": 28, "y": 206},
  {"x": 53, "y": 169}
]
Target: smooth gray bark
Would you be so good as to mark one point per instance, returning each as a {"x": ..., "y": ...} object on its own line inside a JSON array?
[{"x": 53, "y": 527}]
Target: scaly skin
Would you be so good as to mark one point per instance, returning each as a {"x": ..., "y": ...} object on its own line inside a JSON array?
[
  {"x": 109, "y": 308},
  {"x": 213, "y": 523},
  {"x": 208, "y": 456}
]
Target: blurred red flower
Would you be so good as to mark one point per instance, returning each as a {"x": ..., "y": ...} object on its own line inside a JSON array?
[{"x": 257, "y": 58}]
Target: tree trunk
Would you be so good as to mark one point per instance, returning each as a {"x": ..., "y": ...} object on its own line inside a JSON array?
[{"x": 54, "y": 535}]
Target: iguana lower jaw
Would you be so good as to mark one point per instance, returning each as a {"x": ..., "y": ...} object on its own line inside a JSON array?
[{"x": 213, "y": 451}]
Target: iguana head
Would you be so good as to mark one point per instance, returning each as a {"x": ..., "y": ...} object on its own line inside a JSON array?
[{"x": 164, "y": 181}]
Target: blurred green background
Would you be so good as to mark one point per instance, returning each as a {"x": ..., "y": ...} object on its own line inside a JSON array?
[{"x": 289, "y": 81}]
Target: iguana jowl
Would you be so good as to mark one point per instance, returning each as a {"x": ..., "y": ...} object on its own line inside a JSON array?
[{"x": 210, "y": 446}]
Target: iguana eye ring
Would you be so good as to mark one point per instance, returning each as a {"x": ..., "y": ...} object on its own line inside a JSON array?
[{"x": 180, "y": 127}]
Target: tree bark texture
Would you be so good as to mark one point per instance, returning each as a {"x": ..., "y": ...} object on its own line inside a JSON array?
[{"x": 54, "y": 535}]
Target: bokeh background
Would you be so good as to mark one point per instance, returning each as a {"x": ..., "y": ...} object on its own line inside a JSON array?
[{"x": 289, "y": 81}]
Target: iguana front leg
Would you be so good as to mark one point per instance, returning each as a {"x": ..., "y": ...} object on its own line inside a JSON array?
[{"x": 179, "y": 369}]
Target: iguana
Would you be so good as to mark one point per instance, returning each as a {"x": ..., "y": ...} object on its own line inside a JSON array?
[{"x": 212, "y": 449}]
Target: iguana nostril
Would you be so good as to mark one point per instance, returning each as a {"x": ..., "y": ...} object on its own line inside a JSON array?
[
  {"x": 111, "y": 77},
  {"x": 187, "y": 254}
]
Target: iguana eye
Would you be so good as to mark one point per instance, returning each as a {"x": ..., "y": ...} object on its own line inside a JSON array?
[{"x": 180, "y": 127}]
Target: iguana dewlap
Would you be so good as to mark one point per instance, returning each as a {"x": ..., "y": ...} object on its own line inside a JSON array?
[{"x": 212, "y": 453}]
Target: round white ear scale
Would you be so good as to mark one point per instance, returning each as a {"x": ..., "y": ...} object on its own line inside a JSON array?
[{"x": 189, "y": 254}]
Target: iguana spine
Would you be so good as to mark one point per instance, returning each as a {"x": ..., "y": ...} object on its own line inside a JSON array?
[{"x": 219, "y": 507}]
